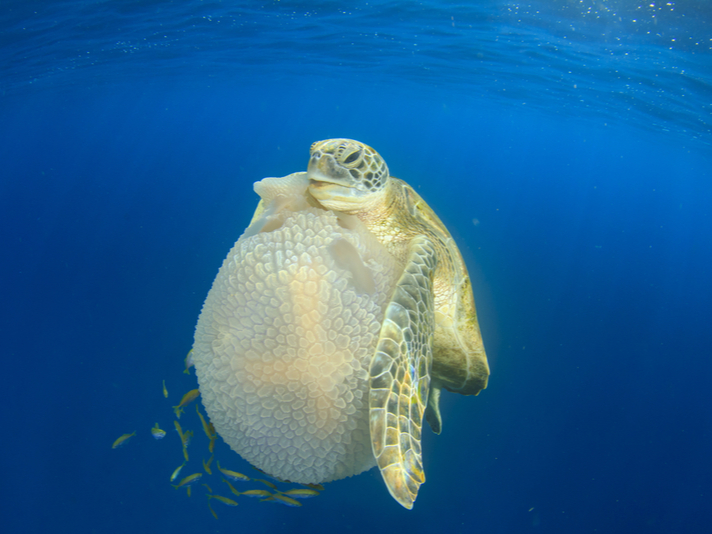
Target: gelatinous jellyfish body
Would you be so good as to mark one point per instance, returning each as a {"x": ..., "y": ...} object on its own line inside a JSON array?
[{"x": 287, "y": 333}]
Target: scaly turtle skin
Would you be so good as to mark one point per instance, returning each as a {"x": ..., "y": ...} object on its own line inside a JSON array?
[{"x": 430, "y": 338}]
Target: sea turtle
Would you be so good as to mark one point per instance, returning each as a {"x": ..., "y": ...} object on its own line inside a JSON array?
[
  {"x": 333, "y": 324},
  {"x": 430, "y": 338}
]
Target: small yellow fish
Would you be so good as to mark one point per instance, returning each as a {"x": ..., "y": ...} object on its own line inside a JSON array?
[
  {"x": 206, "y": 466},
  {"x": 188, "y": 364},
  {"x": 209, "y": 430},
  {"x": 211, "y": 510},
  {"x": 211, "y": 447},
  {"x": 187, "y": 436},
  {"x": 157, "y": 432},
  {"x": 287, "y": 501},
  {"x": 190, "y": 479},
  {"x": 233, "y": 475},
  {"x": 179, "y": 430},
  {"x": 265, "y": 473},
  {"x": 184, "y": 438},
  {"x": 265, "y": 482},
  {"x": 256, "y": 493},
  {"x": 165, "y": 391},
  {"x": 187, "y": 491},
  {"x": 185, "y": 401},
  {"x": 177, "y": 472},
  {"x": 232, "y": 488},
  {"x": 122, "y": 439},
  {"x": 223, "y": 500},
  {"x": 208, "y": 487},
  {"x": 206, "y": 427},
  {"x": 314, "y": 486},
  {"x": 303, "y": 493}
]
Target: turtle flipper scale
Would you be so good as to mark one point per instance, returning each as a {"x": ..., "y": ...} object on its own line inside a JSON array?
[{"x": 400, "y": 375}]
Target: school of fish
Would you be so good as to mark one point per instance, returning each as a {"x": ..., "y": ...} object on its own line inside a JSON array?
[{"x": 287, "y": 497}]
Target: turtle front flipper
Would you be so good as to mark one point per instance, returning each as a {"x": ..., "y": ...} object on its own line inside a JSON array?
[{"x": 400, "y": 375}]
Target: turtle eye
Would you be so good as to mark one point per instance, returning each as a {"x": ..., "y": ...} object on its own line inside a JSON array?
[{"x": 352, "y": 157}]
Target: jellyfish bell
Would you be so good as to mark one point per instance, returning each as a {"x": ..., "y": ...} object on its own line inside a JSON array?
[{"x": 285, "y": 338}]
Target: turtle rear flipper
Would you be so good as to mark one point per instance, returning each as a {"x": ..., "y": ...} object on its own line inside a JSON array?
[
  {"x": 432, "y": 412},
  {"x": 400, "y": 375}
]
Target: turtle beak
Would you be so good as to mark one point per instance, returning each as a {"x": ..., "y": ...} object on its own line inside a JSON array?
[
  {"x": 323, "y": 172},
  {"x": 325, "y": 186},
  {"x": 332, "y": 185},
  {"x": 317, "y": 180}
]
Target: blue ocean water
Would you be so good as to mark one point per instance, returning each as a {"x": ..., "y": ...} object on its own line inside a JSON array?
[{"x": 566, "y": 144}]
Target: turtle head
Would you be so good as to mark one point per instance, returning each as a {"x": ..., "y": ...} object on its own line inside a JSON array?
[{"x": 345, "y": 175}]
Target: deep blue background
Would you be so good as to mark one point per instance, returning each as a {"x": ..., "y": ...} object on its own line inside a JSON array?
[{"x": 590, "y": 263}]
